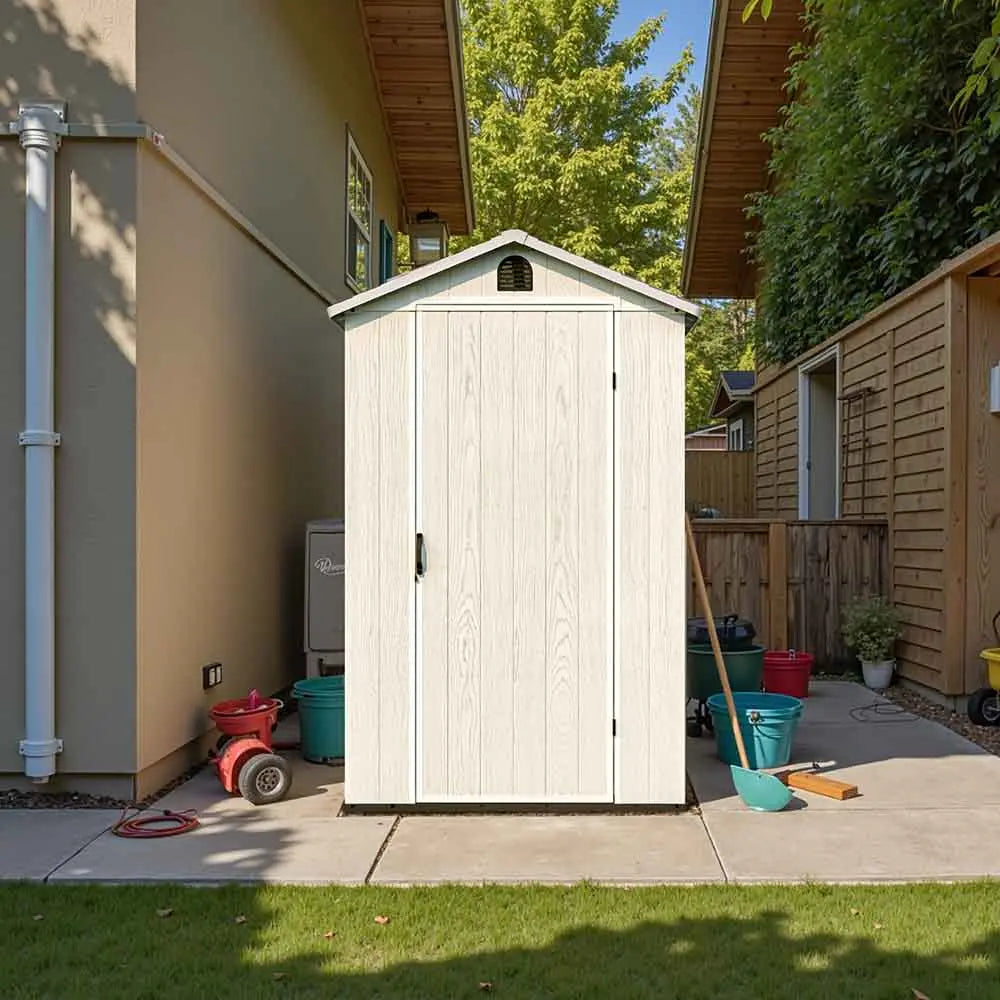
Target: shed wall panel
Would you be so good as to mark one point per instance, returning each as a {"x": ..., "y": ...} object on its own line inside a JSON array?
[
  {"x": 651, "y": 589},
  {"x": 379, "y": 379}
]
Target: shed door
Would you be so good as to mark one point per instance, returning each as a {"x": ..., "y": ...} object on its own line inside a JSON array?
[{"x": 514, "y": 643}]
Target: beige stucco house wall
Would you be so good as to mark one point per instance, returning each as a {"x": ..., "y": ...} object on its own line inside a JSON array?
[{"x": 199, "y": 383}]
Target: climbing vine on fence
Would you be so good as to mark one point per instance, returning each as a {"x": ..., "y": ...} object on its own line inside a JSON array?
[{"x": 879, "y": 173}]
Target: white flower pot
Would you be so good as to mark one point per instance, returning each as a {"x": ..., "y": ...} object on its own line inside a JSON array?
[{"x": 878, "y": 676}]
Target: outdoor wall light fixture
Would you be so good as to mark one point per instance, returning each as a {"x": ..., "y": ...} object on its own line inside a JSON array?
[
  {"x": 428, "y": 239},
  {"x": 995, "y": 389}
]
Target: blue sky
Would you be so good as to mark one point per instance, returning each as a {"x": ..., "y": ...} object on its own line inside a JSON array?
[{"x": 687, "y": 21}]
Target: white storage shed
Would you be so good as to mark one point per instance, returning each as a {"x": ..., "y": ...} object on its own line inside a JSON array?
[{"x": 515, "y": 565}]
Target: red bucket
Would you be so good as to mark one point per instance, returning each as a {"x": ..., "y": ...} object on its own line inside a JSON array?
[{"x": 787, "y": 672}]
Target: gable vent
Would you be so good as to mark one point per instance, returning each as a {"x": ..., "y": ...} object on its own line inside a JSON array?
[{"x": 514, "y": 275}]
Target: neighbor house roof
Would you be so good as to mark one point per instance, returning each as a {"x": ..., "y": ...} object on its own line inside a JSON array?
[
  {"x": 415, "y": 51},
  {"x": 735, "y": 389},
  {"x": 512, "y": 237},
  {"x": 743, "y": 94}
]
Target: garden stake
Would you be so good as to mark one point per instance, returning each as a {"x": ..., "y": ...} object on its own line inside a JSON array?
[{"x": 758, "y": 790}]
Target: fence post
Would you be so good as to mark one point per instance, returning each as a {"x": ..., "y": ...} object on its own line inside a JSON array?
[{"x": 777, "y": 576}]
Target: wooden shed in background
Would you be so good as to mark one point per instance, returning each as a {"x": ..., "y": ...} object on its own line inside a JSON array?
[
  {"x": 515, "y": 574},
  {"x": 892, "y": 418}
]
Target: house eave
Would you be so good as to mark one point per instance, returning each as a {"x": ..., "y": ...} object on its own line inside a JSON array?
[
  {"x": 743, "y": 96},
  {"x": 415, "y": 54}
]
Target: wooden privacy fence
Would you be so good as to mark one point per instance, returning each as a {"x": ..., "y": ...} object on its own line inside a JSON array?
[
  {"x": 792, "y": 579},
  {"x": 720, "y": 479}
]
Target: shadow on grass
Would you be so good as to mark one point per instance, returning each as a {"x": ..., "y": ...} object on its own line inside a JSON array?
[{"x": 524, "y": 942}]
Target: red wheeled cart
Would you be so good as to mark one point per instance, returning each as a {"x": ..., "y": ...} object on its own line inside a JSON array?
[{"x": 244, "y": 756}]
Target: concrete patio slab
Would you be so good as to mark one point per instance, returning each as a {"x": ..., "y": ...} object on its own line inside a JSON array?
[
  {"x": 33, "y": 842},
  {"x": 301, "y": 839},
  {"x": 853, "y": 847},
  {"x": 897, "y": 760},
  {"x": 271, "y": 847},
  {"x": 549, "y": 849}
]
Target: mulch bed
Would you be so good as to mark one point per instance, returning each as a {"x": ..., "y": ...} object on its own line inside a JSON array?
[{"x": 14, "y": 799}]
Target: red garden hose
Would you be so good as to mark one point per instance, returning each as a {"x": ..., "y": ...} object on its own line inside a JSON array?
[{"x": 166, "y": 824}]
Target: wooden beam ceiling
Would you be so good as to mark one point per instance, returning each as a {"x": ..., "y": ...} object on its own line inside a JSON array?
[
  {"x": 743, "y": 93},
  {"x": 415, "y": 53}
]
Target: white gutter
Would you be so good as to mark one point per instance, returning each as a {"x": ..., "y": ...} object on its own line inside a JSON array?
[{"x": 39, "y": 126}]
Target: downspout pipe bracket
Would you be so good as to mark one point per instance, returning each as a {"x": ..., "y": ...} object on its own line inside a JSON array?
[
  {"x": 39, "y": 748},
  {"x": 43, "y": 438}
]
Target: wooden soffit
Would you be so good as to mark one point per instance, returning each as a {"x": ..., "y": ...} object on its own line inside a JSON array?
[
  {"x": 743, "y": 94},
  {"x": 415, "y": 48}
]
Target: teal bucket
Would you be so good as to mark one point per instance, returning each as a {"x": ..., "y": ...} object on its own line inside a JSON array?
[
  {"x": 321, "y": 717},
  {"x": 767, "y": 722}
]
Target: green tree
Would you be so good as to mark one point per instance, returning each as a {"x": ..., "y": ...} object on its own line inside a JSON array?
[
  {"x": 562, "y": 129},
  {"x": 720, "y": 341},
  {"x": 878, "y": 172}
]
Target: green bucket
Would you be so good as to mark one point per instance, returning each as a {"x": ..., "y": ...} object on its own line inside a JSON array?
[
  {"x": 744, "y": 666},
  {"x": 321, "y": 717}
]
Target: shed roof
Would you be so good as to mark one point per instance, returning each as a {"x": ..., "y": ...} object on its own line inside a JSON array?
[{"x": 511, "y": 237}]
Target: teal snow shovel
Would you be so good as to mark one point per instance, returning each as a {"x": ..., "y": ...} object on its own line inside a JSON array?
[{"x": 757, "y": 789}]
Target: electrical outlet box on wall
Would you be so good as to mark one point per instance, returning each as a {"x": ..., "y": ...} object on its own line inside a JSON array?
[{"x": 211, "y": 675}]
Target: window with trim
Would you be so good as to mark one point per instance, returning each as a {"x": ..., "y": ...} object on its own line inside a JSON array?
[
  {"x": 736, "y": 435},
  {"x": 359, "y": 219}
]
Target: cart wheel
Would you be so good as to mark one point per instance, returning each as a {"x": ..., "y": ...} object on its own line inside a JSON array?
[
  {"x": 694, "y": 728},
  {"x": 220, "y": 744},
  {"x": 264, "y": 778},
  {"x": 984, "y": 707}
]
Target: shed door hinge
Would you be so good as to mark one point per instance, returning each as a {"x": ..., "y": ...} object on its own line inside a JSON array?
[
  {"x": 614, "y": 727},
  {"x": 614, "y": 380}
]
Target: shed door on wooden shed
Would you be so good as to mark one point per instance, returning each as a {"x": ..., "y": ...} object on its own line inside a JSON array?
[{"x": 515, "y": 503}]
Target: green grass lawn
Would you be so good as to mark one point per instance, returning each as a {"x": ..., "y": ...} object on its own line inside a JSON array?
[{"x": 752, "y": 943}]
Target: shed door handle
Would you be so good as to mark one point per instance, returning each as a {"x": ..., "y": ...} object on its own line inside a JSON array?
[{"x": 421, "y": 555}]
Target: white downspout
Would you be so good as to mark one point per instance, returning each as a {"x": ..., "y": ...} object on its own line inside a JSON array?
[{"x": 40, "y": 126}]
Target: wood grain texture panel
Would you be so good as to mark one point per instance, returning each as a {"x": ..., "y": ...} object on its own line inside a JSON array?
[
  {"x": 435, "y": 479},
  {"x": 562, "y": 532},
  {"x": 529, "y": 477},
  {"x": 379, "y": 546},
  {"x": 465, "y": 555},
  {"x": 983, "y": 478},
  {"x": 595, "y": 562},
  {"x": 362, "y": 585},
  {"x": 926, "y": 323},
  {"x": 956, "y": 491},
  {"x": 396, "y": 526},
  {"x": 500, "y": 722},
  {"x": 668, "y": 581},
  {"x": 632, "y": 362}
]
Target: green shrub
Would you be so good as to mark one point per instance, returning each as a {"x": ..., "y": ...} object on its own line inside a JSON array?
[{"x": 871, "y": 627}]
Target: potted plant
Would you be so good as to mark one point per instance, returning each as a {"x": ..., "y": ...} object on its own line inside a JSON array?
[{"x": 871, "y": 628}]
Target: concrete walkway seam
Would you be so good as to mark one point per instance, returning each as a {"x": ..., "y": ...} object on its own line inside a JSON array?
[
  {"x": 715, "y": 847},
  {"x": 66, "y": 861},
  {"x": 381, "y": 851}
]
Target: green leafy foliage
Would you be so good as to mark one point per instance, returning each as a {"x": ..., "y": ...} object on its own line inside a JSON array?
[
  {"x": 878, "y": 172},
  {"x": 871, "y": 626},
  {"x": 720, "y": 341},
  {"x": 562, "y": 130}
]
